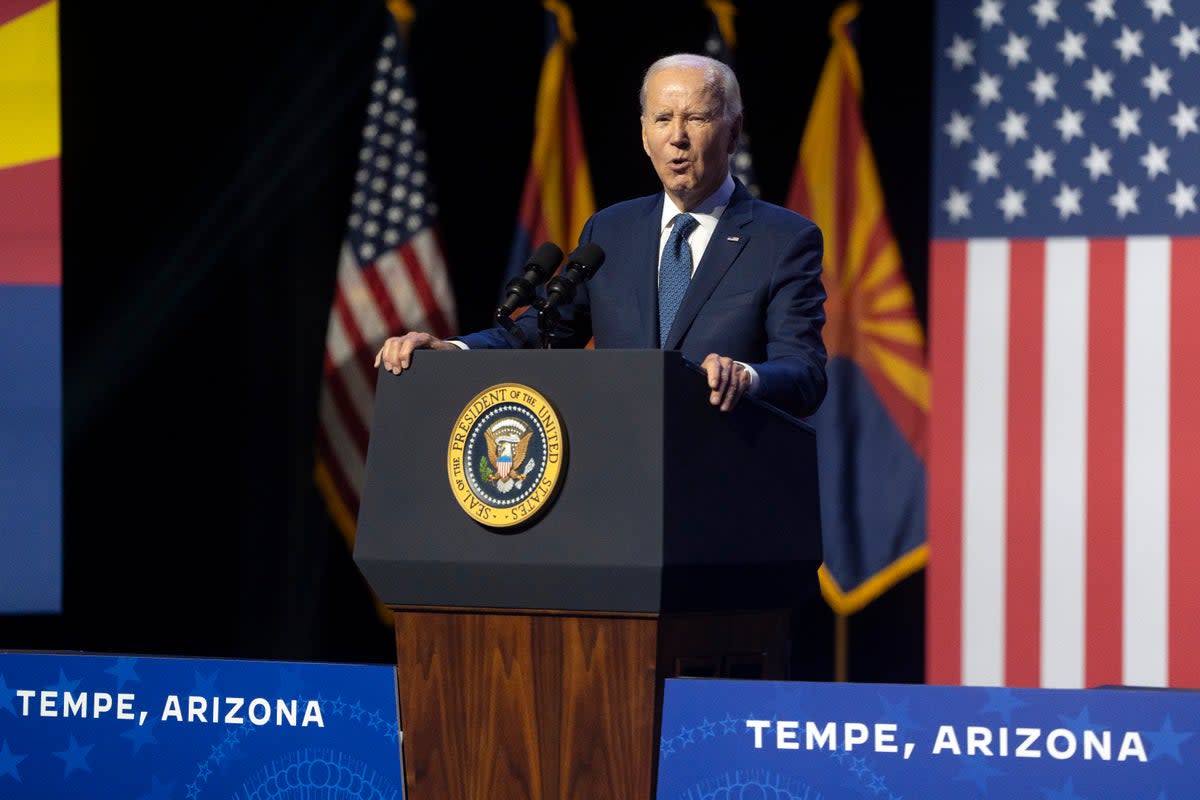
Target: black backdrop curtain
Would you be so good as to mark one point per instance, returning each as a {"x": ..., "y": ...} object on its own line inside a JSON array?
[{"x": 208, "y": 157}]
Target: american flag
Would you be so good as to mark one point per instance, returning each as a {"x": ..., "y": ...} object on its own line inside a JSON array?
[
  {"x": 721, "y": 44},
  {"x": 1065, "y": 285},
  {"x": 392, "y": 277}
]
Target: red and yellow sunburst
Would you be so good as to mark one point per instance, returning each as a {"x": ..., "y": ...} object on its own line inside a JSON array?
[{"x": 30, "y": 143}]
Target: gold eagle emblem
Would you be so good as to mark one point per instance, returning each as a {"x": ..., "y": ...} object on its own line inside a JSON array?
[{"x": 507, "y": 445}]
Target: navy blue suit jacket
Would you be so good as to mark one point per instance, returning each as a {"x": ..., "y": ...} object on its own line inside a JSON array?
[{"x": 756, "y": 296}]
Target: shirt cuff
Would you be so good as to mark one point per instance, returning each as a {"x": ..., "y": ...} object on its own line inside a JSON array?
[{"x": 753, "y": 377}]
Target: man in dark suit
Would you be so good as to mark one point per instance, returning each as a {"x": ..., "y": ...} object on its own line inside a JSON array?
[{"x": 704, "y": 267}]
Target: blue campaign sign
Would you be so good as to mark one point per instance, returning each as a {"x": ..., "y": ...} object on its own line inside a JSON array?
[
  {"x": 787, "y": 740},
  {"x": 99, "y": 726}
]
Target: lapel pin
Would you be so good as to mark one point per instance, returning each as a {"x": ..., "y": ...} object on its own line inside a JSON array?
[{"x": 733, "y": 238}]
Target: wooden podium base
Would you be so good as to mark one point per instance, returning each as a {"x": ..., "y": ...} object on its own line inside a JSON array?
[{"x": 551, "y": 705}]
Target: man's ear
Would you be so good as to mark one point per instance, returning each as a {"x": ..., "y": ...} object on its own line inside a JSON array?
[{"x": 735, "y": 133}]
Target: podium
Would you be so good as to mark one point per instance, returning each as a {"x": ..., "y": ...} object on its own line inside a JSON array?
[{"x": 675, "y": 541}]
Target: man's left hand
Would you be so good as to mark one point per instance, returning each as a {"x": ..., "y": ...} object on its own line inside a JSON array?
[{"x": 727, "y": 380}]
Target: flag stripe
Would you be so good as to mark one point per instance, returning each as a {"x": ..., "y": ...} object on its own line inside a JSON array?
[
  {"x": 423, "y": 254},
  {"x": 352, "y": 381},
  {"x": 1080, "y": 587},
  {"x": 347, "y": 395},
  {"x": 944, "y": 618},
  {"x": 352, "y": 303},
  {"x": 1063, "y": 474},
  {"x": 343, "y": 461},
  {"x": 1146, "y": 350},
  {"x": 403, "y": 288},
  {"x": 1022, "y": 501},
  {"x": 1184, "y": 645},
  {"x": 985, "y": 430},
  {"x": 1103, "y": 627},
  {"x": 390, "y": 300},
  {"x": 31, "y": 224}
]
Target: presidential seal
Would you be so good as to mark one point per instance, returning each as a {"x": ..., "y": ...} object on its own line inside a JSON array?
[{"x": 506, "y": 454}]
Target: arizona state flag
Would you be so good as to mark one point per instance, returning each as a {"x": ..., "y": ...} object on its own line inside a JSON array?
[
  {"x": 30, "y": 310},
  {"x": 557, "y": 199},
  {"x": 721, "y": 45},
  {"x": 871, "y": 429}
]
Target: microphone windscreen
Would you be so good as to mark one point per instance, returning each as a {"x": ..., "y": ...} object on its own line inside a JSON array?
[
  {"x": 589, "y": 255},
  {"x": 545, "y": 260}
]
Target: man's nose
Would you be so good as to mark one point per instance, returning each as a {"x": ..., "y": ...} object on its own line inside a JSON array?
[{"x": 678, "y": 130}]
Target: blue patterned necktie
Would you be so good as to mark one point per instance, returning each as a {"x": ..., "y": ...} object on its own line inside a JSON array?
[{"x": 674, "y": 273}]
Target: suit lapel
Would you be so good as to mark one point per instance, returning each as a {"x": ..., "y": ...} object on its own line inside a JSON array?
[
  {"x": 723, "y": 248},
  {"x": 645, "y": 284}
]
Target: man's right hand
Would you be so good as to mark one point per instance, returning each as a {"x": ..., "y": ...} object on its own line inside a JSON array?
[{"x": 396, "y": 353}]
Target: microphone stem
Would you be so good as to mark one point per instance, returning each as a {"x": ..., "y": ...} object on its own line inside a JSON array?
[
  {"x": 506, "y": 322},
  {"x": 548, "y": 319}
]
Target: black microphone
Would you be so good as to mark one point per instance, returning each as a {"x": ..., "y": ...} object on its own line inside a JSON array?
[
  {"x": 581, "y": 266},
  {"x": 523, "y": 288}
]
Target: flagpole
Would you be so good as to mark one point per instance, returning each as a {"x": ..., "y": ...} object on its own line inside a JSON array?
[{"x": 841, "y": 635}]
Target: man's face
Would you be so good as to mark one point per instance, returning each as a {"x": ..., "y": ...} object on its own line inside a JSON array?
[{"x": 686, "y": 135}]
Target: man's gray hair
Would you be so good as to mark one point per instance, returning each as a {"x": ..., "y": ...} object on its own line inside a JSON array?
[{"x": 717, "y": 75}]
